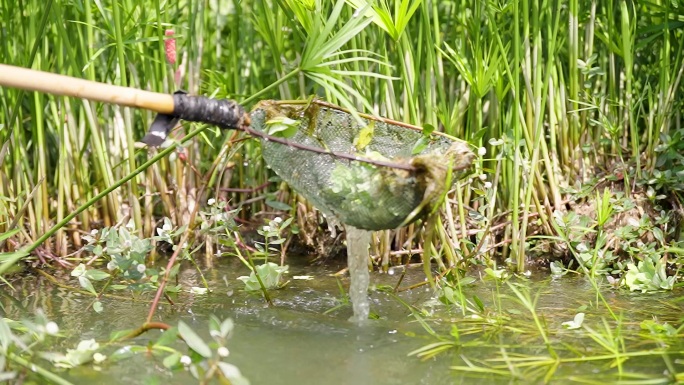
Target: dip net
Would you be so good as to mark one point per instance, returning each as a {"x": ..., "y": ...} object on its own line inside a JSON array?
[{"x": 366, "y": 172}]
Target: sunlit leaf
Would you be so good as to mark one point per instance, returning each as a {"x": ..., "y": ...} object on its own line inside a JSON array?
[
  {"x": 232, "y": 373},
  {"x": 193, "y": 341},
  {"x": 96, "y": 275},
  {"x": 86, "y": 284},
  {"x": 282, "y": 127},
  {"x": 420, "y": 146},
  {"x": 172, "y": 360},
  {"x": 167, "y": 337},
  {"x": 364, "y": 136}
]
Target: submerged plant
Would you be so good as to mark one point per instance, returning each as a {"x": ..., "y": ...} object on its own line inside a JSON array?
[
  {"x": 269, "y": 275},
  {"x": 648, "y": 276},
  {"x": 126, "y": 259},
  {"x": 206, "y": 360}
]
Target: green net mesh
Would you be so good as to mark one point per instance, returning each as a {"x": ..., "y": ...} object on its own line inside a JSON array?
[{"x": 360, "y": 194}]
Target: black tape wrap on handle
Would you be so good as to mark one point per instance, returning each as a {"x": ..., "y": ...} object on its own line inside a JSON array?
[{"x": 221, "y": 112}]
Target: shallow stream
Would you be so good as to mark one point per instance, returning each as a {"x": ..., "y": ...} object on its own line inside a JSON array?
[{"x": 304, "y": 339}]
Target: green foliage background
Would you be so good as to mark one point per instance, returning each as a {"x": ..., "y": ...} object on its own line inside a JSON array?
[{"x": 557, "y": 92}]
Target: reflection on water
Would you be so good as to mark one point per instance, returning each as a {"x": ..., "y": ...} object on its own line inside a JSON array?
[{"x": 296, "y": 343}]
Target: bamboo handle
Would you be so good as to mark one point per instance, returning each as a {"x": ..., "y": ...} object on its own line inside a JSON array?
[{"x": 34, "y": 80}]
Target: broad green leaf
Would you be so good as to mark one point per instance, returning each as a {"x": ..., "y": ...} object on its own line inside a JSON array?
[
  {"x": 78, "y": 270},
  {"x": 421, "y": 144},
  {"x": 193, "y": 341},
  {"x": 282, "y": 127},
  {"x": 365, "y": 136},
  {"x": 97, "y": 250},
  {"x": 172, "y": 360},
  {"x": 286, "y": 223},
  {"x": 232, "y": 373},
  {"x": 428, "y": 129},
  {"x": 279, "y": 205},
  {"x": 86, "y": 284},
  {"x": 167, "y": 337},
  {"x": 269, "y": 273},
  {"x": 96, "y": 275}
]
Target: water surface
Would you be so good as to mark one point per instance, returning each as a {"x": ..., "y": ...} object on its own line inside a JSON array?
[{"x": 297, "y": 342}]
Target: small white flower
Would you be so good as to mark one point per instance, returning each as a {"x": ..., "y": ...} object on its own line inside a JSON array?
[
  {"x": 94, "y": 232},
  {"x": 211, "y": 201},
  {"x": 223, "y": 351},
  {"x": 481, "y": 151},
  {"x": 141, "y": 268},
  {"x": 184, "y": 245},
  {"x": 99, "y": 357},
  {"x": 111, "y": 265},
  {"x": 185, "y": 360},
  {"x": 483, "y": 177},
  {"x": 278, "y": 220},
  {"x": 267, "y": 228},
  {"x": 488, "y": 185},
  {"x": 52, "y": 328}
]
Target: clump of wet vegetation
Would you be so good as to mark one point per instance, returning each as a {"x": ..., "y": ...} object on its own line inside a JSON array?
[{"x": 574, "y": 108}]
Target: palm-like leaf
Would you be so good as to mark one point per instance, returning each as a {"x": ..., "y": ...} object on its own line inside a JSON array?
[{"x": 322, "y": 61}]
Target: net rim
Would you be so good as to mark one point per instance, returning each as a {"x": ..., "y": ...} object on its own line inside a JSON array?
[{"x": 360, "y": 114}]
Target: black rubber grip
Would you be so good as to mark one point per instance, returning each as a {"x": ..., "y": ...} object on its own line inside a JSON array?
[{"x": 221, "y": 112}]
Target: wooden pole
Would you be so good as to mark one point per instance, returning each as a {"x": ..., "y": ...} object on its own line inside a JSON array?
[{"x": 33, "y": 80}]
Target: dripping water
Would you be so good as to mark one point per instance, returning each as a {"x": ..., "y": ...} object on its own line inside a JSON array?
[{"x": 358, "y": 242}]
